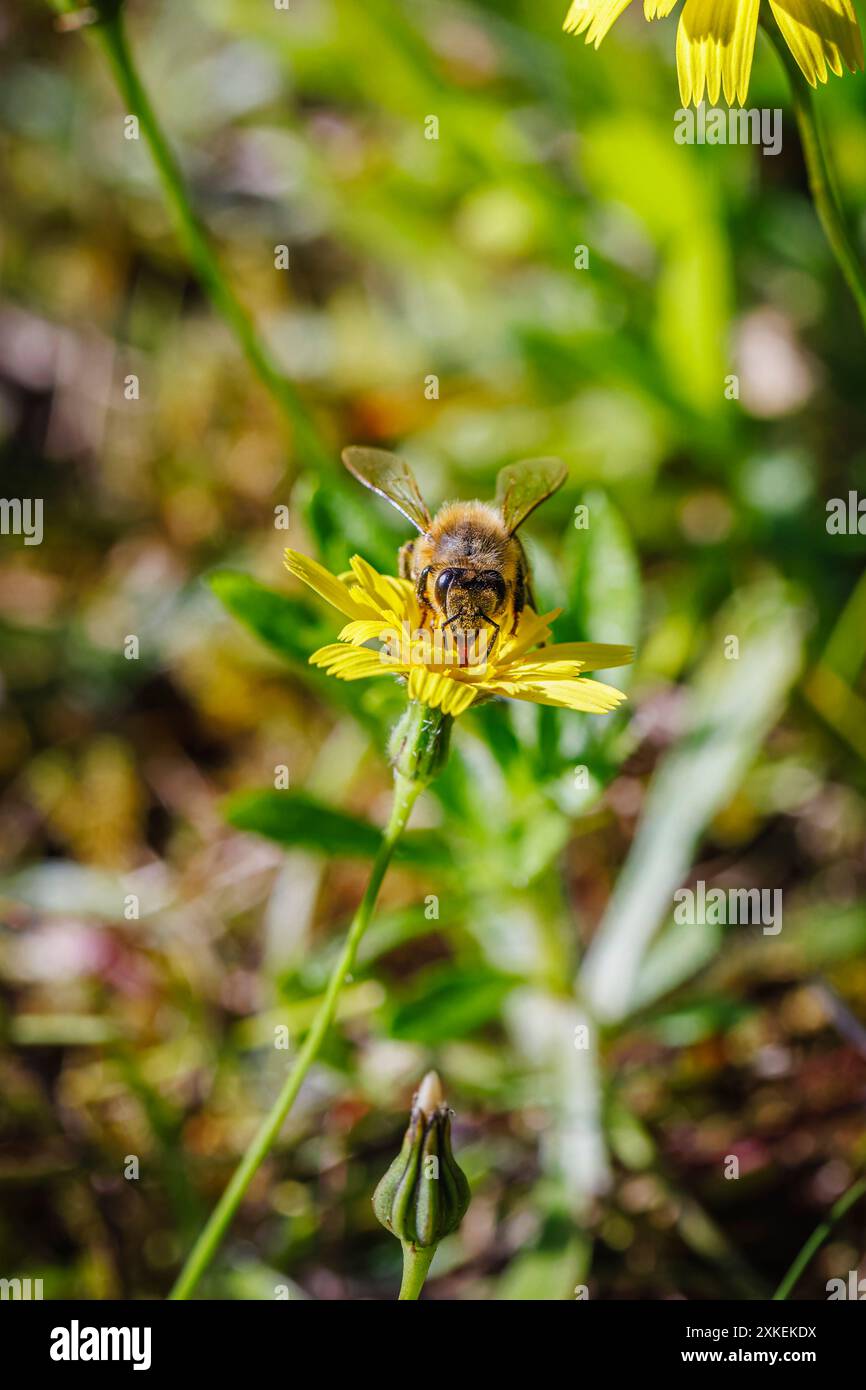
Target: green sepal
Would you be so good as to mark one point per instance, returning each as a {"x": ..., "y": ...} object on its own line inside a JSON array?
[{"x": 424, "y": 1195}]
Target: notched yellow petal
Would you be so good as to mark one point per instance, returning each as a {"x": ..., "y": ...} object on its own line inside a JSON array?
[
  {"x": 533, "y": 628},
  {"x": 385, "y": 592},
  {"x": 821, "y": 34},
  {"x": 590, "y": 697},
  {"x": 440, "y": 691},
  {"x": 593, "y": 17},
  {"x": 350, "y": 663},
  {"x": 715, "y": 46},
  {"x": 363, "y": 630},
  {"x": 657, "y": 9},
  {"x": 592, "y": 656},
  {"x": 325, "y": 584}
]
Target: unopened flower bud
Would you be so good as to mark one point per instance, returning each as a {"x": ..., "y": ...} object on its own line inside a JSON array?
[
  {"x": 424, "y": 1194},
  {"x": 419, "y": 743}
]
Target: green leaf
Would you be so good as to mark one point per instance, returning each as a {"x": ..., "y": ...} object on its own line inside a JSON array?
[
  {"x": 291, "y": 818},
  {"x": 828, "y": 933},
  {"x": 293, "y": 628},
  {"x": 552, "y": 1269},
  {"x": 692, "y": 312},
  {"x": 451, "y": 1006},
  {"x": 289, "y": 625},
  {"x": 345, "y": 522},
  {"x": 628, "y": 161},
  {"x": 678, "y": 952},
  {"x": 695, "y": 1022},
  {"x": 732, "y": 706},
  {"x": 604, "y": 600},
  {"x": 296, "y": 819},
  {"x": 603, "y": 604}
]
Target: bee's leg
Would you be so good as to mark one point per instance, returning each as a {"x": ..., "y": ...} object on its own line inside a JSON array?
[
  {"x": 404, "y": 560},
  {"x": 521, "y": 587},
  {"x": 421, "y": 591},
  {"x": 496, "y": 634}
]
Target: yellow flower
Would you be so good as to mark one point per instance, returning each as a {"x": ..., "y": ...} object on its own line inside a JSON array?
[
  {"x": 385, "y": 610},
  {"x": 716, "y": 39}
]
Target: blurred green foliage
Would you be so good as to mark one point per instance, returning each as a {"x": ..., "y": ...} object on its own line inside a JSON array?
[{"x": 165, "y": 907}]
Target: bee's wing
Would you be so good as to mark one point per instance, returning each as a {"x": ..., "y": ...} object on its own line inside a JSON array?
[
  {"x": 392, "y": 478},
  {"x": 521, "y": 486}
]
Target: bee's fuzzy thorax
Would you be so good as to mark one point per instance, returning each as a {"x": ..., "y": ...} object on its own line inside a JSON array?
[{"x": 474, "y": 531}]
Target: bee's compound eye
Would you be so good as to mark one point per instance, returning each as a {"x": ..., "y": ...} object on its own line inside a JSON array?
[
  {"x": 443, "y": 583},
  {"x": 492, "y": 579}
]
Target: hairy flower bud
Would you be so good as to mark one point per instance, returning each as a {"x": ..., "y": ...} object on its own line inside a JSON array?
[
  {"x": 424, "y": 1194},
  {"x": 419, "y": 743}
]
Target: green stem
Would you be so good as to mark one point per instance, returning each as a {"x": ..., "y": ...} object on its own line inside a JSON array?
[
  {"x": 416, "y": 1264},
  {"x": 817, "y": 1238},
  {"x": 822, "y": 184},
  {"x": 405, "y": 794},
  {"x": 110, "y": 36}
]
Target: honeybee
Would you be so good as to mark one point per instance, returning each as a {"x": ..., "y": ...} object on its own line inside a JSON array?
[{"x": 468, "y": 565}]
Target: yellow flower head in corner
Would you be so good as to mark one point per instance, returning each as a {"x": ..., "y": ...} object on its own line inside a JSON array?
[
  {"x": 384, "y": 611},
  {"x": 716, "y": 39}
]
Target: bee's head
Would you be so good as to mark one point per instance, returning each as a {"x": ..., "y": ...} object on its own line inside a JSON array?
[{"x": 464, "y": 596}]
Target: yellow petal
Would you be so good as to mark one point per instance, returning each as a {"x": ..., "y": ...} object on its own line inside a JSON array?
[
  {"x": 592, "y": 697},
  {"x": 532, "y": 629},
  {"x": 820, "y": 34},
  {"x": 417, "y": 685},
  {"x": 363, "y": 630},
  {"x": 591, "y": 656},
  {"x": 351, "y": 663},
  {"x": 385, "y": 592},
  {"x": 594, "y": 16},
  {"x": 549, "y": 676},
  {"x": 715, "y": 43},
  {"x": 459, "y": 699},
  {"x": 331, "y": 589},
  {"x": 657, "y": 9},
  {"x": 440, "y": 691},
  {"x": 528, "y": 670}
]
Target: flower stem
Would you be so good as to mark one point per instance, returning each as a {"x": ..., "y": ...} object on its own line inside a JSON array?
[
  {"x": 822, "y": 183},
  {"x": 405, "y": 794},
  {"x": 416, "y": 1264},
  {"x": 817, "y": 1238},
  {"x": 109, "y": 34}
]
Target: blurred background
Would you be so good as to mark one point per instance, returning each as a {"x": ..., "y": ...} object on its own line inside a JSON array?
[{"x": 165, "y": 904}]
